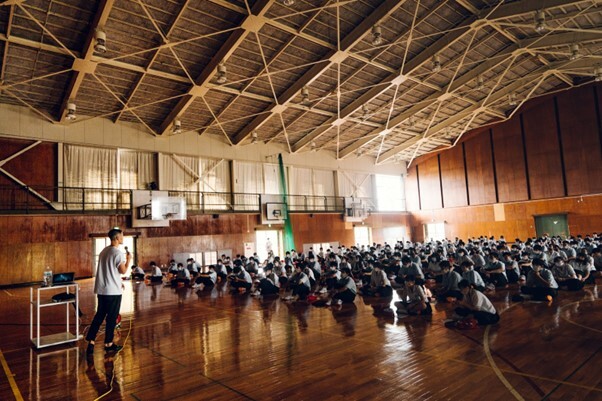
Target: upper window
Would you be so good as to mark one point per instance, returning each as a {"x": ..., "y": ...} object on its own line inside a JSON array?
[{"x": 390, "y": 194}]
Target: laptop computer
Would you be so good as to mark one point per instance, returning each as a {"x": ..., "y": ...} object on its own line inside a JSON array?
[{"x": 63, "y": 278}]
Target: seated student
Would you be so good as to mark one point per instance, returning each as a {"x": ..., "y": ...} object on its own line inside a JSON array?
[
  {"x": 413, "y": 299},
  {"x": 540, "y": 284},
  {"x": 366, "y": 273},
  {"x": 221, "y": 271},
  {"x": 565, "y": 275},
  {"x": 315, "y": 266},
  {"x": 380, "y": 286},
  {"x": 476, "y": 304},
  {"x": 474, "y": 278},
  {"x": 193, "y": 267},
  {"x": 206, "y": 280},
  {"x": 512, "y": 269},
  {"x": 310, "y": 273},
  {"x": 299, "y": 283},
  {"x": 331, "y": 277},
  {"x": 182, "y": 276},
  {"x": 409, "y": 268},
  {"x": 449, "y": 283},
  {"x": 252, "y": 267},
  {"x": 584, "y": 268},
  {"x": 345, "y": 288},
  {"x": 433, "y": 270},
  {"x": 269, "y": 285},
  {"x": 137, "y": 273},
  {"x": 173, "y": 267},
  {"x": 156, "y": 275},
  {"x": 495, "y": 271},
  {"x": 240, "y": 279}
]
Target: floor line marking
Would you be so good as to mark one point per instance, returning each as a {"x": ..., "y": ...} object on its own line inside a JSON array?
[
  {"x": 572, "y": 321},
  {"x": 11, "y": 378}
]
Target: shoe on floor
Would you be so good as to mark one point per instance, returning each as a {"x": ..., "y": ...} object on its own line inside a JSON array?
[{"x": 113, "y": 348}]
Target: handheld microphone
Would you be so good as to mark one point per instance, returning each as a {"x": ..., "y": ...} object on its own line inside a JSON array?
[{"x": 126, "y": 251}]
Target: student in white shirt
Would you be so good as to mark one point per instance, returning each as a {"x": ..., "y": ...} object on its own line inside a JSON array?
[
  {"x": 345, "y": 288},
  {"x": 565, "y": 275},
  {"x": 206, "y": 280},
  {"x": 379, "y": 286},
  {"x": 182, "y": 276},
  {"x": 540, "y": 284},
  {"x": 269, "y": 285},
  {"x": 156, "y": 275},
  {"x": 473, "y": 277},
  {"x": 474, "y": 303},
  {"x": 137, "y": 273},
  {"x": 413, "y": 299}
]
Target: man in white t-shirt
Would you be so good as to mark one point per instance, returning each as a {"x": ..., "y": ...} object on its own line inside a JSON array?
[{"x": 108, "y": 289}]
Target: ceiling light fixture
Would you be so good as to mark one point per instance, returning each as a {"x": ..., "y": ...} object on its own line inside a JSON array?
[
  {"x": 512, "y": 99},
  {"x": 377, "y": 35},
  {"x": 436, "y": 63},
  {"x": 254, "y": 135},
  {"x": 540, "y": 21},
  {"x": 575, "y": 51},
  {"x": 222, "y": 77},
  {"x": 365, "y": 112},
  {"x": 101, "y": 41},
  {"x": 598, "y": 74},
  {"x": 313, "y": 147},
  {"x": 288, "y": 3},
  {"x": 305, "y": 96},
  {"x": 480, "y": 83},
  {"x": 177, "y": 127},
  {"x": 71, "y": 109}
]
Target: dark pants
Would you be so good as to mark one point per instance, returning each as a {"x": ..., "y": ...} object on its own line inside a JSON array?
[
  {"x": 267, "y": 288},
  {"x": 384, "y": 291},
  {"x": 108, "y": 307},
  {"x": 346, "y": 296},
  {"x": 498, "y": 279},
  {"x": 331, "y": 283},
  {"x": 301, "y": 290},
  {"x": 138, "y": 276},
  {"x": 156, "y": 279},
  {"x": 572, "y": 284},
  {"x": 222, "y": 276},
  {"x": 283, "y": 281},
  {"x": 512, "y": 276},
  {"x": 484, "y": 318},
  {"x": 240, "y": 284},
  {"x": 175, "y": 281},
  {"x": 206, "y": 281},
  {"x": 539, "y": 293},
  {"x": 451, "y": 293}
]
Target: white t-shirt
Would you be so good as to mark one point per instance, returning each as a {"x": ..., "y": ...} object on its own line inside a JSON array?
[
  {"x": 478, "y": 301},
  {"x": 108, "y": 278}
]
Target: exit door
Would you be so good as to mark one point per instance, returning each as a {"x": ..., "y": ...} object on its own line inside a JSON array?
[{"x": 552, "y": 225}]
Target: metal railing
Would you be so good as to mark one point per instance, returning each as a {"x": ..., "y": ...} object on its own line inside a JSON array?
[{"x": 38, "y": 199}]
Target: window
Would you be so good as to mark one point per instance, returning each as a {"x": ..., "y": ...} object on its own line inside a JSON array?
[
  {"x": 390, "y": 193},
  {"x": 362, "y": 235},
  {"x": 434, "y": 231}
]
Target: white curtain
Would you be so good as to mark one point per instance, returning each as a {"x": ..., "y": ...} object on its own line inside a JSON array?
[
  {"x": 94, "y": 170},
  {"x": 358, "y": 185},
  {"x": 271, "y": 177},
  {"x": 215, "y": 184},
  {"x": 316, "y": 185},
  {"x": 248, "y": 181},
  {"x": 180, "y": 174}
]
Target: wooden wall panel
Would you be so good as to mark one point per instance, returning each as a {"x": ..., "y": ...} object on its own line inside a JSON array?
[
  {"x": 543, "y": 151},
  {"x": 580, "y": 141},
  {"x": 584, "y": 217},
  {"x": 479, "y": 170},
  {"x": 411, "y": 185},
  {"x": 453, "y": 177},
  {"x": 510, "y": 161},
  {"x": 430, "y": 185}
]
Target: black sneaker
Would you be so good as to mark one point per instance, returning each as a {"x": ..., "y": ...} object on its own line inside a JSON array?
[
  {"x": 113, "y": 348},
  {"x": 90, "y": 349}
]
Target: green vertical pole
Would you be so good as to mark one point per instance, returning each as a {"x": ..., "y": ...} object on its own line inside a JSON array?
[{"x": 289, "y": 240}]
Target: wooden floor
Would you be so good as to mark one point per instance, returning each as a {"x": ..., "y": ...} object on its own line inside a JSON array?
[{"x": 185, "y": 345}]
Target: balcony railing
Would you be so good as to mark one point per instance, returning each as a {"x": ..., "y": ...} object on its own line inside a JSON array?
[{"x": 15, "y": 199}]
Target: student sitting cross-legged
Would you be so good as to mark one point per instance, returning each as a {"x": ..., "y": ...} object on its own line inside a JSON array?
[
  {"x": 156, "y": 275},
  {"x": 269, "y": 285},
  {"x": 449, "y": 283},
  {"x": 413, "y": 299},
  {"x": 540, "y": 285},
  {"x": 565, "y": 275},
  {"x": 206, "y": 280},
  {"x": 473, "y": 277},
  {"x": 379, "y": 286},
  {"x": 475, "y": 304},
  {"x": 240, "y": 279},
  {"x": 346, "y": 289},
  {"x": 299, "y": 283}
]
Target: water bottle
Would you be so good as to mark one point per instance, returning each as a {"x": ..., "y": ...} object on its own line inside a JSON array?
[{"x": 47, "y": 277}]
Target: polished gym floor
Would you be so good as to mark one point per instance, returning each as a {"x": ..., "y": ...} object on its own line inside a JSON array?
[{"x": 181, "y": 344}]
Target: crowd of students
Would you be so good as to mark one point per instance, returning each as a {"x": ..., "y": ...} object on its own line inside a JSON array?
[{"x": 457, "y": 272}]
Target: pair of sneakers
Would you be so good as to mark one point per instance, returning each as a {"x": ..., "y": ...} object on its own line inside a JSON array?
[{"x": 334, "y": 302}]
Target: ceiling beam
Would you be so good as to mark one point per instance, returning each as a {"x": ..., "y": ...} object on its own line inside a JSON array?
[
  {"x": 136, "y": 85},
  {"x": 460, "y": 82},
  {"x": 481, "y": 107},
  {"x": 9, "y": 25},
  {"x": 332, "y": 57},
  {"x": 250, "y": 23},
  {"x": 84, "y": 65},
  {"x": 504, "y": 11}
]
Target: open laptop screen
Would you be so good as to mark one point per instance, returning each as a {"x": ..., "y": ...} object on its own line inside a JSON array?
[{"x": 62, "y": 278}]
